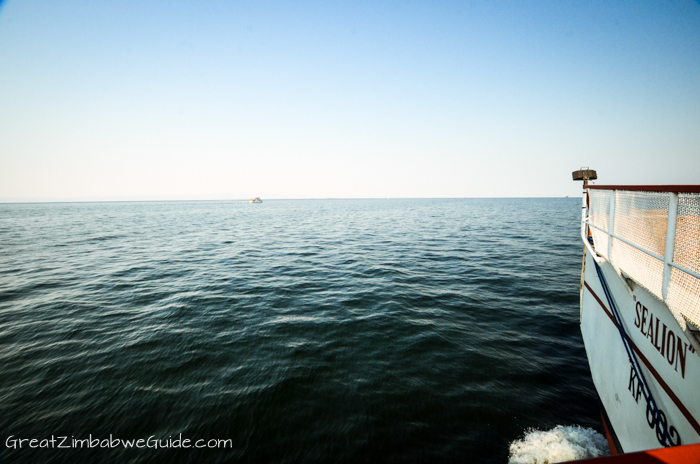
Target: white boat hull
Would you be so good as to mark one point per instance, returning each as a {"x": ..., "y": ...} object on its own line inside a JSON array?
[{"x": 668, "y": 361}]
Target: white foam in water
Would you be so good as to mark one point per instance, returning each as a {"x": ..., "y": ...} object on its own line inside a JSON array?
[{"x": 558, "y": 445}]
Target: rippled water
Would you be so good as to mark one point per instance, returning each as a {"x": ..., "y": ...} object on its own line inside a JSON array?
[{"x": 304, "y": 331}]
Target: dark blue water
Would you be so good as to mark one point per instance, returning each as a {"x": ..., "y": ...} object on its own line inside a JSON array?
[{"x": 303, "y": 331}]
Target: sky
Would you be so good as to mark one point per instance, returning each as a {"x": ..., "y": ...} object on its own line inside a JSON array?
[{"x": 135, "y": 100}]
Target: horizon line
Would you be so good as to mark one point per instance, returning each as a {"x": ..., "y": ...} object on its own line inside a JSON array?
[{"x": 20, "y": 201}]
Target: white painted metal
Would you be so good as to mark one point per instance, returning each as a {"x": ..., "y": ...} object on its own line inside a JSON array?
[
  {"x": 674, "y": 385},
  {"x": 686, "y": 270},
  {"x": 670, "y": 239},
  {"x": 610, "y": 366},
  {"x": 653, "y": 255},
  {"x": 670, "y": 242},
  {"x": 611, "y": 224},
  {"x": 584, "y": 217}
]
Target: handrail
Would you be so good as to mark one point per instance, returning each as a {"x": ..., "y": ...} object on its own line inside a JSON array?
[
  {"x": 626, "y": 241},
  {"x": 648, "y": 188},
  {"x": 668, "y": 287},
  {"x": 584, "y": 230},
  {"x": 681, "y": 296},
  {"x": 677, "y": 266}
]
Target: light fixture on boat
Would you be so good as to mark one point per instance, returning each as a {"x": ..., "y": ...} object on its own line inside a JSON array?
[{"x": 585, "y": 174}]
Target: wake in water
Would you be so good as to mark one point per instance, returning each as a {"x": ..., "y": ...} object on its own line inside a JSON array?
[{"x": 558, "y": 445}]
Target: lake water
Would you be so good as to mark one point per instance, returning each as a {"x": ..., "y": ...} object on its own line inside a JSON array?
[{"x": 303, "y": 331}]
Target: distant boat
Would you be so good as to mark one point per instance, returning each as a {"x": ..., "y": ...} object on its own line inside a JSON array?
[{"x": 252, "y": 200}]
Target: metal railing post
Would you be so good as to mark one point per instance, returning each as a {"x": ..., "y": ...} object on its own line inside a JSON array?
[
  {"x": 584, "y": 217},
  {"x": 670, "y": 243},
  {"x": 611, "y": 224}
]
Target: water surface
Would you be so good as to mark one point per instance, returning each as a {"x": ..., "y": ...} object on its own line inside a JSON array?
[{"x": 304, "y": 331}]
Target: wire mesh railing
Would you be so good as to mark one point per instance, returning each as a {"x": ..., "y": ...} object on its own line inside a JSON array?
[{"x": 653, "y": 238}]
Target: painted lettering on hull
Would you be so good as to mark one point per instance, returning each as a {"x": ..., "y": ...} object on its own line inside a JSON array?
[
  {"x": 669, "y": 345},
  {"x": 657, "y": 421}
]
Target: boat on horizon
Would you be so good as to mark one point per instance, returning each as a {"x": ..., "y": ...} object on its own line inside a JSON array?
[
  {"x": 252, "y": 200},
  {"x": 640, "y": 315}
]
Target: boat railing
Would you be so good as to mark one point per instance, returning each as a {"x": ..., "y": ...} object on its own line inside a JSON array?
[{"x": 651, "y": 235}]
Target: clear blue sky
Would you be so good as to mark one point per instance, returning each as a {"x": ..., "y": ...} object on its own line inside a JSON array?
[{"x": 144, "y": 100}]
